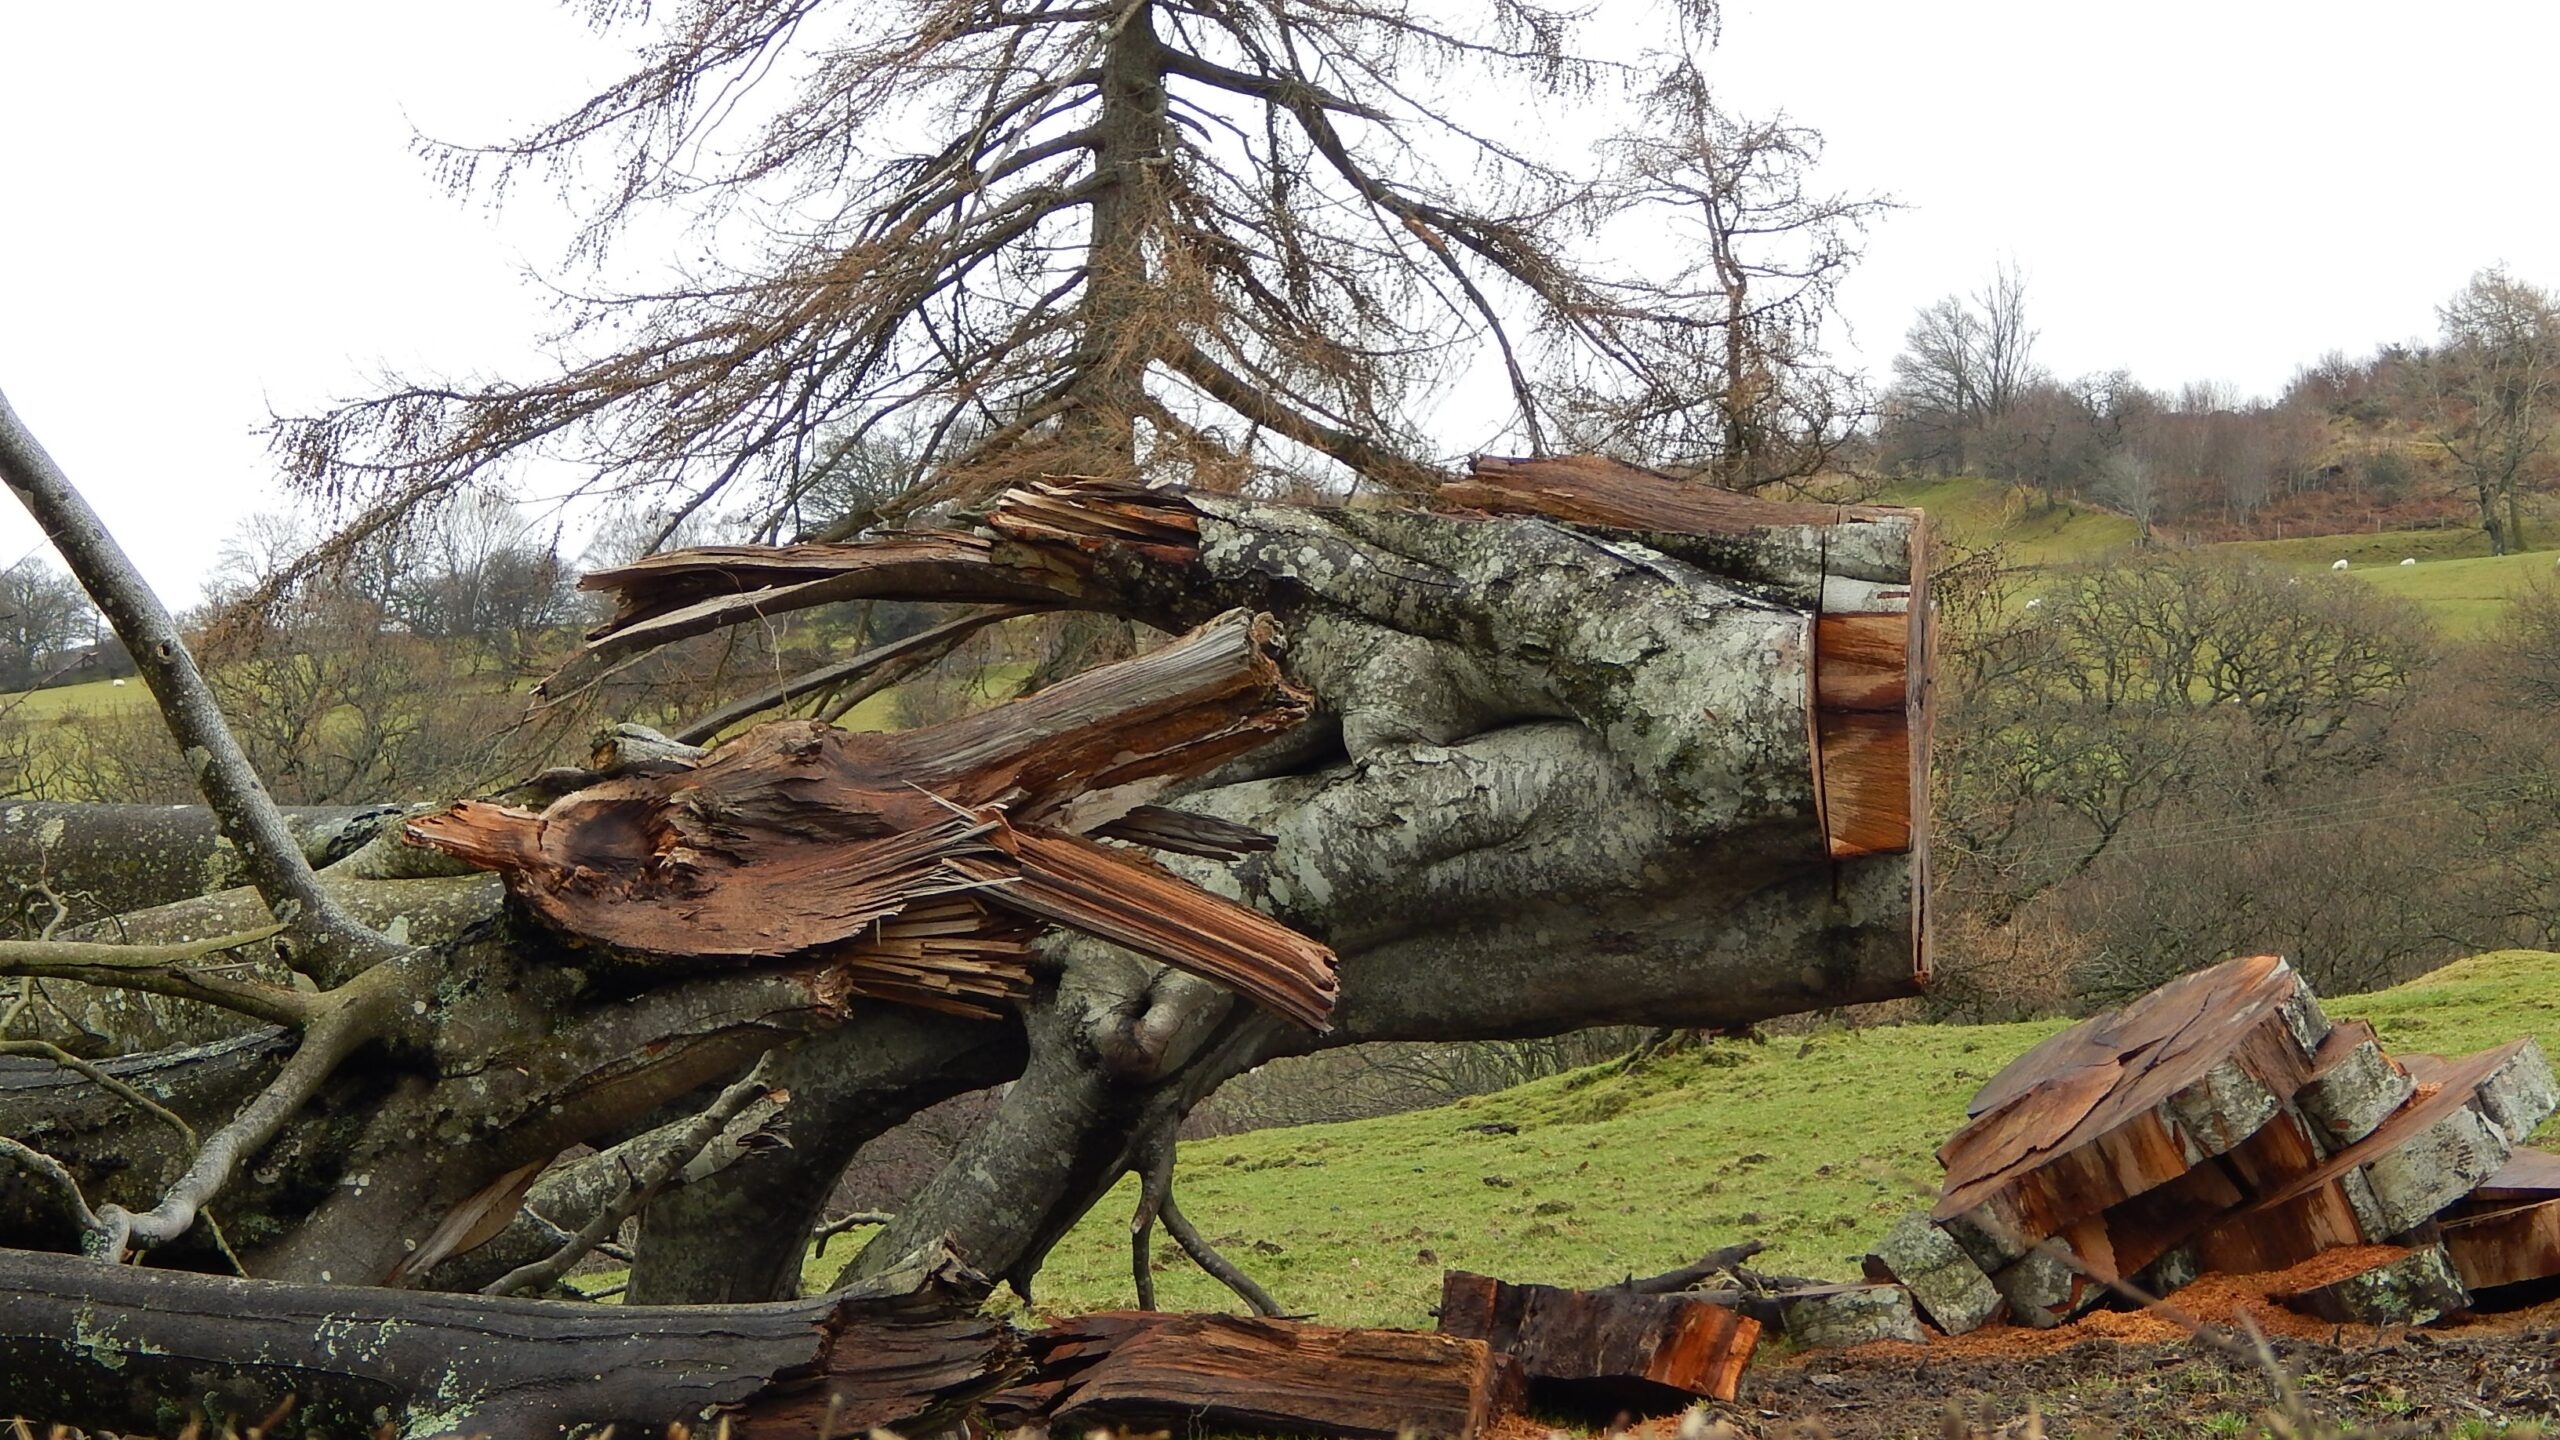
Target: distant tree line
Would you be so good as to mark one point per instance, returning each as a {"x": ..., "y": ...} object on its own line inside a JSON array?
[{"x": 2456, "y": 429}]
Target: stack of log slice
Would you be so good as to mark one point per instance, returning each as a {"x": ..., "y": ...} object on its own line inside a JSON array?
[{"x": 2223, "y": 1124}]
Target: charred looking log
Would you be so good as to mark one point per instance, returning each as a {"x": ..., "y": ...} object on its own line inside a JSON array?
[{"x": 121, "y": 1347}]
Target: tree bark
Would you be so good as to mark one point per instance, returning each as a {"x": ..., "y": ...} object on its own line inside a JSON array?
[
  {"x": 116, "y": 1347},
  {"x": 1571, "y": 761}
]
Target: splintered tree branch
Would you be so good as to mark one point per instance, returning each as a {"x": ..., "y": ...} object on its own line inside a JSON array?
[
  {"x": 651, "y": 1176},
  {"x": 1206, "y": 1256},
  {"x": 334, "y": 943},
  {"x": 881, "y": 664}
]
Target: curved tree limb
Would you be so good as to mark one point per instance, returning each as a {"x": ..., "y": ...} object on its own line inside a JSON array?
[
  {"x": 156, "y": 970},
  {"x": 357, "y": 1012},
  {"x": 337, "y": 945}
]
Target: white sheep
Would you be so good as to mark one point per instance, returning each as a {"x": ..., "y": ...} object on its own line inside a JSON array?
[
  {"x": 2337, "y": 564},
  {"x": 2412, "y": 560}
]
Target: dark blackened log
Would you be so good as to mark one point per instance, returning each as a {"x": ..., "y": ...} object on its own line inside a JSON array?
[{"x": 122, "y": 1348}]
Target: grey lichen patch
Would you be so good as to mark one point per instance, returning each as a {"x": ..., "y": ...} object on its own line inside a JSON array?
[
  {"x": 2219, "y": 1111},
  {"x": 2354, "y": 1094},
  {"x": 2412, "y": 1290},
  {"x": 2438, "y": 1166},
  {"x": 1853, "y": 1317},
  {"x": 1949, "y": 1288}
]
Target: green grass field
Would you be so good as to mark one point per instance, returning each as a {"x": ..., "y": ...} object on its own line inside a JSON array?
[
  {"x": 98, "y": 697},
  {"x": 1814, "y": 1145},
  {"x": 1983, "y": 512},
  {"x": 2456, "y": 581}
]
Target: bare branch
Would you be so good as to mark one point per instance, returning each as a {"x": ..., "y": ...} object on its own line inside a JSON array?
[
  {"x": 157, "y": 970},
  {"x": 336, "y": 945},
  {"x": 652, "y": 1176}
]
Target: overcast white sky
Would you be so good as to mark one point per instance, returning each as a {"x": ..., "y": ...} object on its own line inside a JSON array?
[{"x": 209, "y": 211}]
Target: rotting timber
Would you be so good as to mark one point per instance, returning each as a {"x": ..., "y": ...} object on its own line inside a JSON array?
[{"x": 1576, "y": 744}]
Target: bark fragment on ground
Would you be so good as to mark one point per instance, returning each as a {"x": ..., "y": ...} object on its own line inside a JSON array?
[
  {"x": 2412, "y": 1288},
  {"x": 1609, "y": 1348},
  {"x": 1122, "y": 1369}
]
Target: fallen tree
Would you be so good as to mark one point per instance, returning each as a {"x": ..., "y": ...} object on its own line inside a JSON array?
[{"x": 1573, "y": 745}]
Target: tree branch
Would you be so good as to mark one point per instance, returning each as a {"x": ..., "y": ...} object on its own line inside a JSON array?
[
  {"x": 154, "y": 969},
  {"x": 652, "y": 1176},
  {"x": 336, "y": 944},
  {"x": 359, "y": 1011}
]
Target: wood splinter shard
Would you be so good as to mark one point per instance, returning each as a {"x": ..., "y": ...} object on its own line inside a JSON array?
[{"x": 918, "y": 867}]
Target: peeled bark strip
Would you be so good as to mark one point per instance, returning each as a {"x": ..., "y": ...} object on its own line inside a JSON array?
[
  {"x": 1125, "y": 1369},
  {"x": 117, "y": 1347},
  {"x": 1609, "y": 1348}
]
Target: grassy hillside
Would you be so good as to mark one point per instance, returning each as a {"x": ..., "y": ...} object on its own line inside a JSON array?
[
  {"x": 1814, "y": 1145},
  {"x": 2456, "y": 581},
  {"x": 1983, "y": 512},
  {"x": 97, "y": 697}
]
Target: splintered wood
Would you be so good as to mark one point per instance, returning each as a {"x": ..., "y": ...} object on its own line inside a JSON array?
[
  {"x": 1615, "y": 1348},
  {"x": 2221, "y": 1124},
  {"x": 1133, "y": 1370},
  {"x": 918, "y": 866}
]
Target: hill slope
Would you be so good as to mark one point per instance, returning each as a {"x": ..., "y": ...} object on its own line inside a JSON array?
[{"x": 1814, "y": 1145}]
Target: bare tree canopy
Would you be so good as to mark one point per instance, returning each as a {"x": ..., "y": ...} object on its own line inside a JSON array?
[
  {"x": 2490, "y": 389},
  {"x": 1227, "y": 244}
]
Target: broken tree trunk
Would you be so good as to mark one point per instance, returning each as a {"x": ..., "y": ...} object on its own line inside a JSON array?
[
  {"x": 1136, "y": 1369},
  {"x": 118, "y": 1347},
  {"x": 1610, "y": 1349},
  {"x": 1557, "y": 736}
]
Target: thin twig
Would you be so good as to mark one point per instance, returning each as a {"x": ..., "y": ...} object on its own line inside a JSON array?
[
  {"x": 829, "y": 1229},
  {"x": 155, "y": 969},
  {"x": 640, "y": 1187},
  {"x": 51, "y": 1169},
  {"x": 922, "y": 648},
  {"x": 47, "y": 1050}
]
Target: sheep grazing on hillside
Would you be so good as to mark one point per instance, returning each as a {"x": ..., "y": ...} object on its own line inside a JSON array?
[
  {"x": 2412, "y": 560},
  {"x": 2337, "y": 564}
]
